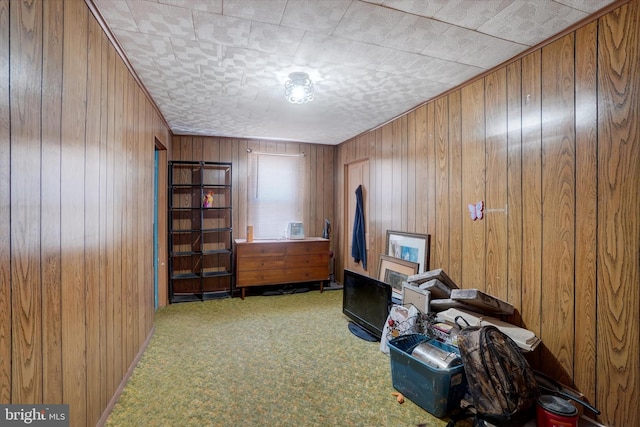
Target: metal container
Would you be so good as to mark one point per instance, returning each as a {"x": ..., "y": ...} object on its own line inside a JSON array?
[
  {"x": 554, "y": 411},
  {"x": 435, "y": 356}
]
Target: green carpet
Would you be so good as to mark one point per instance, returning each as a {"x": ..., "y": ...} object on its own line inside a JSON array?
[{"x": 286, "y": 360}]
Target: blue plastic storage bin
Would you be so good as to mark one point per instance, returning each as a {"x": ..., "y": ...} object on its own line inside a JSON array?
[{"x": 435, "y": 390}]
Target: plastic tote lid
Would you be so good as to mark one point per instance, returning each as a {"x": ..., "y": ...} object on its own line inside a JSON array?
[{"x": 557, "y": 405}]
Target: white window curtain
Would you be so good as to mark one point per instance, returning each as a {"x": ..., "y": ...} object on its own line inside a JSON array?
[{"x": 276, "y": 187}]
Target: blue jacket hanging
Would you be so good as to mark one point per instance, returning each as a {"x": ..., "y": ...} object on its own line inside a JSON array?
[{"x": 358, "y": 241}]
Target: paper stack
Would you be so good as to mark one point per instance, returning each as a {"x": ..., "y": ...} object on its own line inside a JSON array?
[{"x": 524, "y": 338}]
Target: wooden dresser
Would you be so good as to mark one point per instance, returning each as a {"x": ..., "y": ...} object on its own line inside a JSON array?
[{"x": 272, "y": 262}]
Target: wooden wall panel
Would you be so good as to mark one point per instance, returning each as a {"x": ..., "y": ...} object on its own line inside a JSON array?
[
  {"x": 130, "y": 206},
  {"x": 240, "y": 187},
  {"x": 142, "y": 223},
  {"x": 311, "y": 199},
  {"x": 586, "y": 212},
  {"x": 74, "y": 363},
  {"x": 155, "y": 201},
  {"x": 427, "y": 222},
  {"x": 26, "y": 103},
  {"x": 328, "y": 195},
  {"x": 103, "y": 283},
  {"x": 473, "y": 183},
  {"x": 339, "y": 246},
  {"x": 456, "y": 207},
  {"x": 412, "y": 202},
  {"x": 553, "y": 137},
  {"x": 313, "y": 212},
  {"x": 92, "y": 220},
  {"x": 618, "y": 293},
  {"x": 395, "y": 175},
  {"x": 379, "y": 193},
  {"x": 144, "y": 218},
  {"x": 138, "y": 202},
  {"x": 197, "y": 147},
  {"x": 496, "y": 183},
  {"x": 128, "y": 209},
  {"x": 119, "y": 205},
  {"x": 387, "y": 203},
  {"x": 558, "y": 205},
  {"x": 186, "y": 149},
  {"x": 5, "y": 206},
  {"x": 514, "y": 188},
  {"x": 319, "y": 212},
  {"x": 423, "y": 123},
  {"x": 50, "y": 214},
  {"x": 330, "y": 161},
  {"x": 110, "y": 212},
  {"x": 404, "y": 205},
  {"x": 150, "y": 165},
  {"x": 146, "y": 161},
  {"x": 78, "y": 202},
  {"x": 531, "y": 196},
  {"x": 440, "y": 240}
]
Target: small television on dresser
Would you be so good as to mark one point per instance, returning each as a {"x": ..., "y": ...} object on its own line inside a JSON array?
[{"x": 366, "y": 302}]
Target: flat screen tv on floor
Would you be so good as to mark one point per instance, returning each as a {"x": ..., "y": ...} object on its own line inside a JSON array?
[{"x": 366, "y": 302}]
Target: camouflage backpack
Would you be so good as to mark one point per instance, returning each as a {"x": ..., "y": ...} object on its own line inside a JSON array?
[{"x": 502, "y": 385}]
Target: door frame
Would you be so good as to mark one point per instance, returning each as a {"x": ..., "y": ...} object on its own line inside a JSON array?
[
  {"x": 360, "y": 171},
  {"x": 161, "y": 255}
]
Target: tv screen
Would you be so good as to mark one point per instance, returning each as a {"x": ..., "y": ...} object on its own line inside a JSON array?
[{"x": 366, "y": 302}]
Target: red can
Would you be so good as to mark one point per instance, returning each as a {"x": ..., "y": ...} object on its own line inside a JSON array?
[{"x": 553, "y": 411}]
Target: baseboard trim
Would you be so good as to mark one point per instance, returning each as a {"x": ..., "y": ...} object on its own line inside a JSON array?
[{"x": 107, "y": 411}]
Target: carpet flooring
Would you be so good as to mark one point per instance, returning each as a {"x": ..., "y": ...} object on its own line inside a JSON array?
[{"x": 285, "y": 360}]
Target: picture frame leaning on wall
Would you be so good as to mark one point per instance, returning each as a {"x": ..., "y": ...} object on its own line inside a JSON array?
[
  {"x": 395, "y": 271},
  {"x": 412, "y": 247}
]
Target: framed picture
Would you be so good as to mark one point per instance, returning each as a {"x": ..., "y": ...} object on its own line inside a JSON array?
[
  {"x": 395, "y": 271},
  {"x": 409, "y": 247}
]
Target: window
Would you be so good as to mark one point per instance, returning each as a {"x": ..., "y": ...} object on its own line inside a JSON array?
[{"x": 276, "y": 183}]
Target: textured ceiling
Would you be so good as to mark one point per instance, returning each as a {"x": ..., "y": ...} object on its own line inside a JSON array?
[{"x": 218, "y": 67}]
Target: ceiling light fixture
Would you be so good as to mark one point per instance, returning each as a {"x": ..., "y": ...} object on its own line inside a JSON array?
[{"x": 299, "y": 88}]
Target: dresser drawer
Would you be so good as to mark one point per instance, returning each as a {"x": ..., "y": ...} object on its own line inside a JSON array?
[
  {"x": 307, "y": 274},
  {"x": 250, "y": 263},
  {"x": 310, "y": 260},
  {"x": 301, "y": 248},
  {"x": 261, "y": 249},
  {"x": 261, "y": 277}
]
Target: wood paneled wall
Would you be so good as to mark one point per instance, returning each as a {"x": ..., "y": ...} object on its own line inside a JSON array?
[
  {"x": 76, "y": 243},
  {"x": 319, "y": 162},
  {"x": 550, "y": 143}
]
